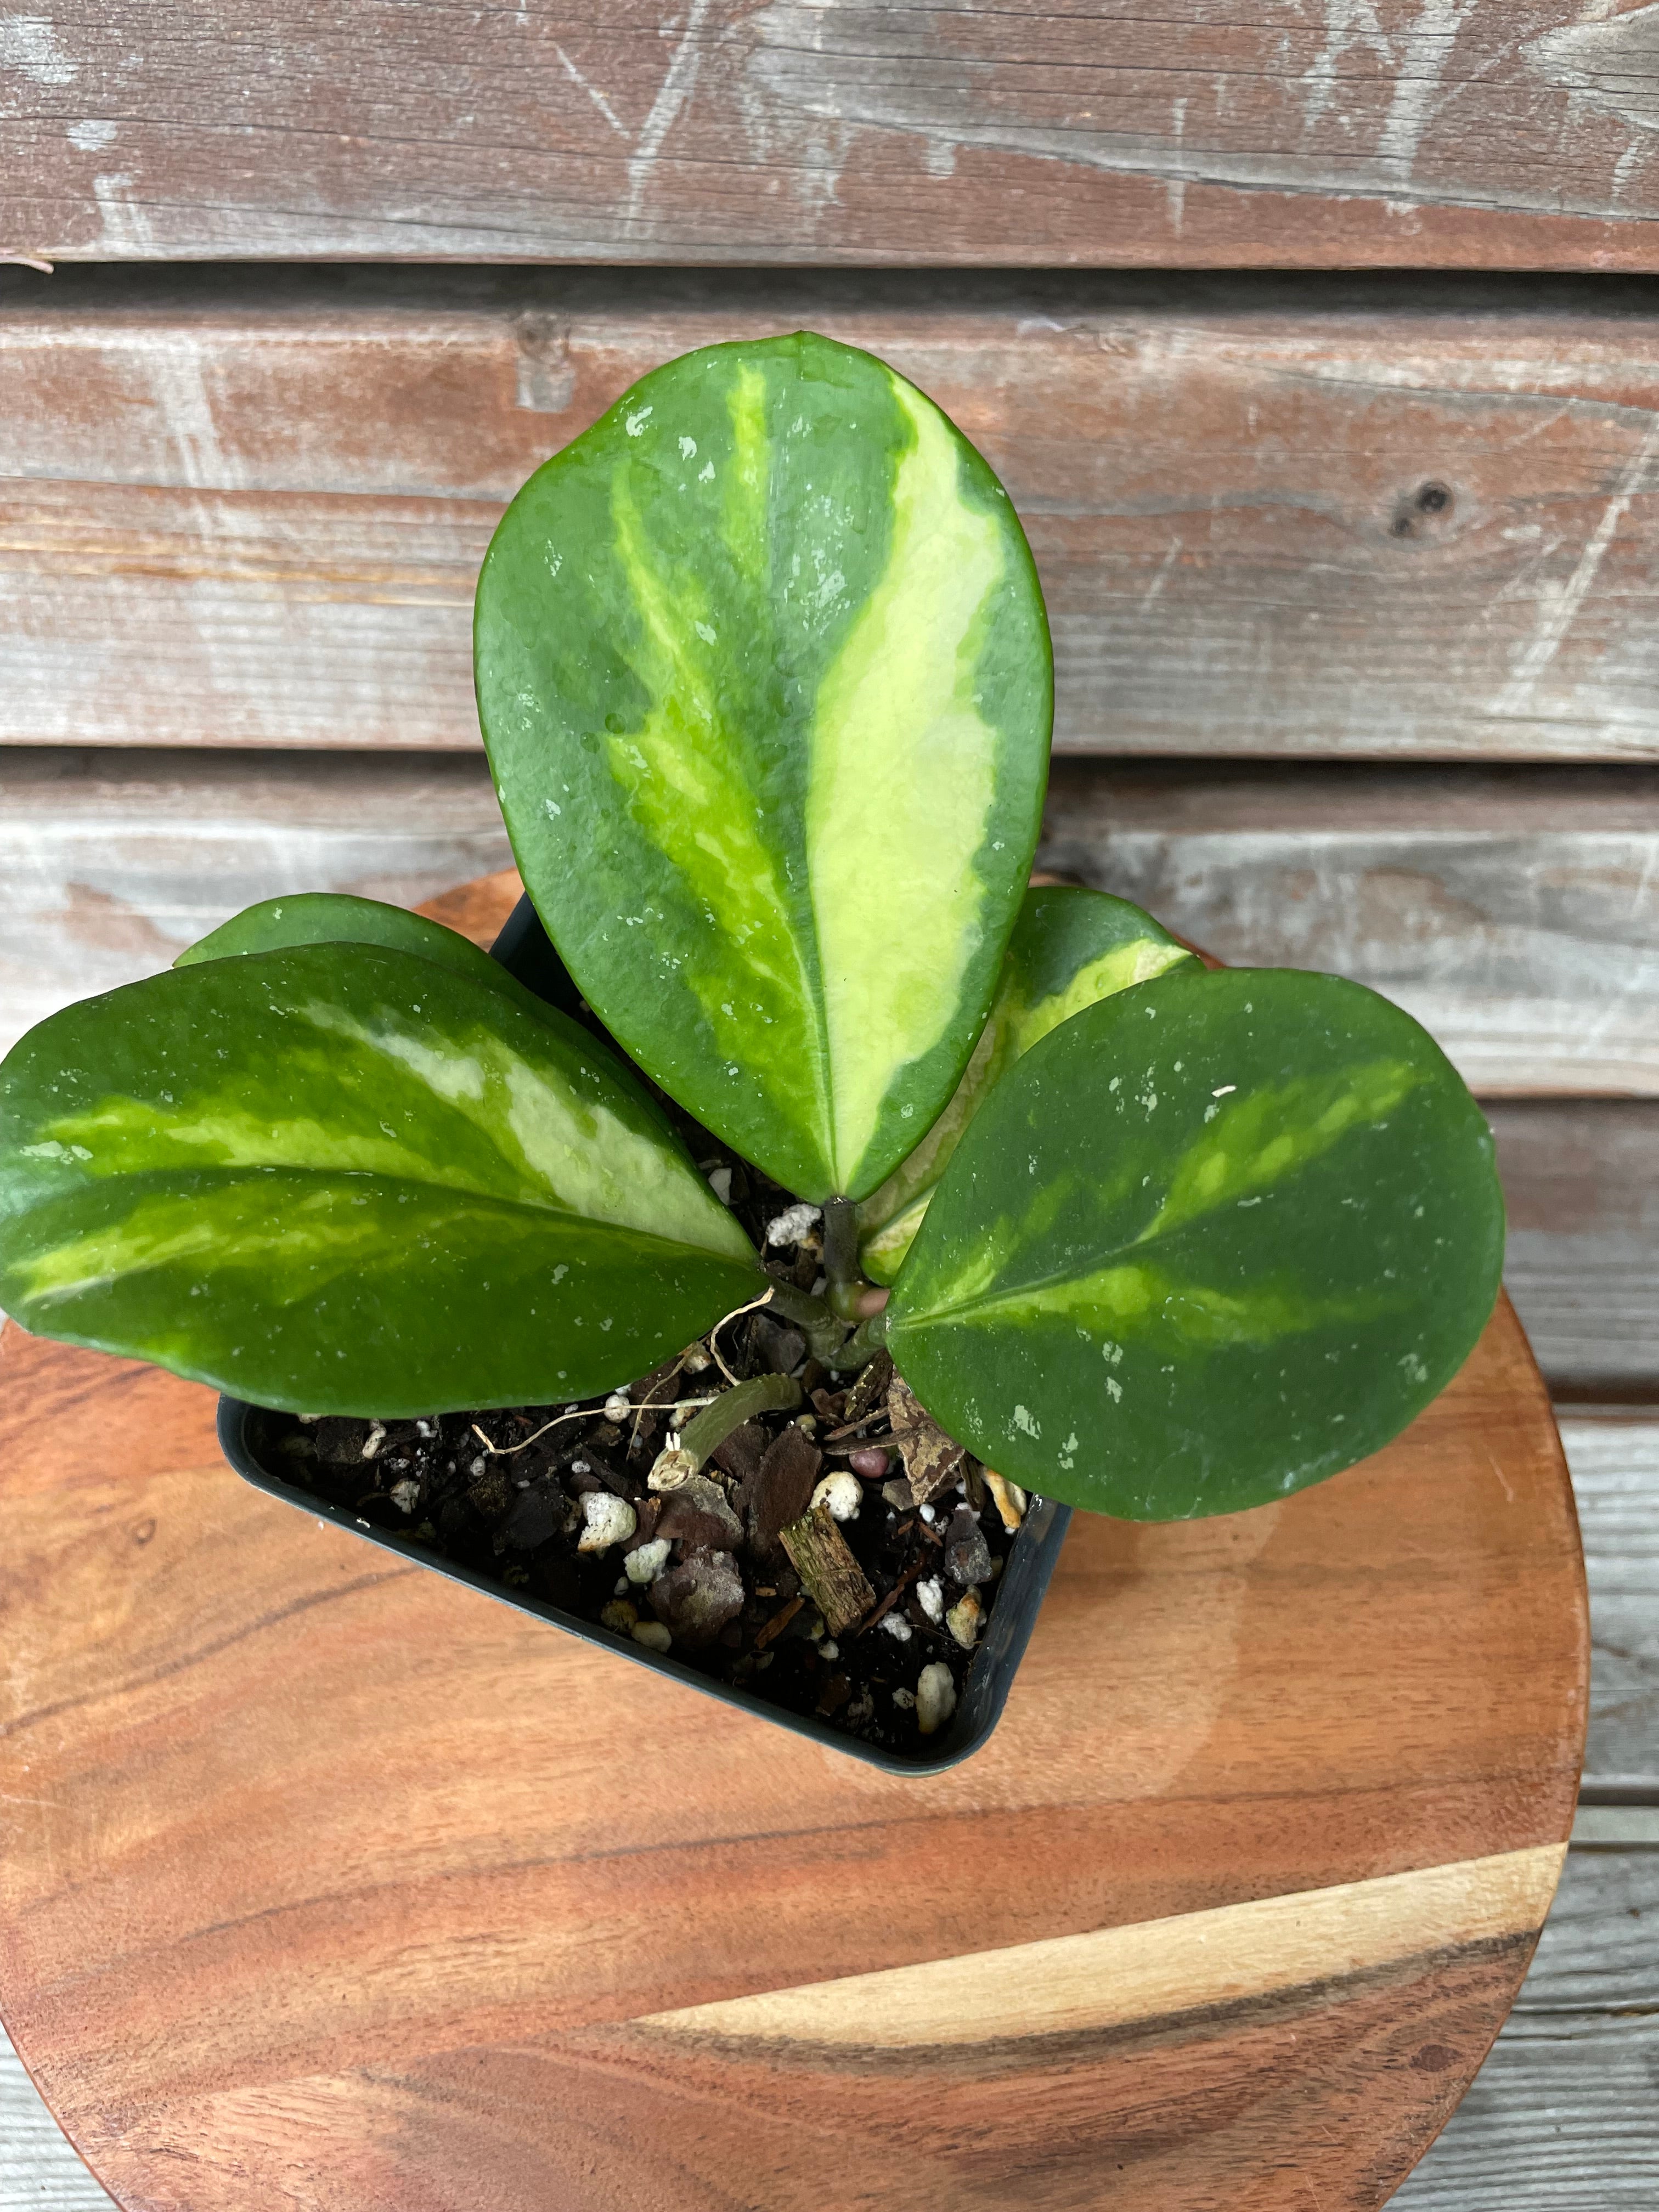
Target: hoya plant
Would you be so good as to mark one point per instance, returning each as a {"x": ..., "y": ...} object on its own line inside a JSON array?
[{"x": 765, "y": 681}]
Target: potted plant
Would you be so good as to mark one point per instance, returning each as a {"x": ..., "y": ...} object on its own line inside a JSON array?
[{"x": 750, "y": 1271}]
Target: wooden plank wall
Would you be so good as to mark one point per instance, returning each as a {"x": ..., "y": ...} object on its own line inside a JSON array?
[
  {"x": 1308, "y": 714},
  {"x": 1367, "y": 521},
  {"x": 1483, "y": 133}
]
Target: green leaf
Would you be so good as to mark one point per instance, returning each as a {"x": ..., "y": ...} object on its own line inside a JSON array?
[
  {"x": 765, "y": 680},
  {"x": 1070, "y": 947},
  {"x": 337, "y": 917},
  {"x": 1211, "y": 1241},
  {"x": 341, "y": 1178}
]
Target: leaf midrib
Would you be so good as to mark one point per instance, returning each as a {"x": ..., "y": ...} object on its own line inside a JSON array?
[
  {"x": 1148, "y": 1240},
  {"x": 156, "y": 1175}
]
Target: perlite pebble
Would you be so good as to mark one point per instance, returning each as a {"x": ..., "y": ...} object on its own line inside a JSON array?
[
  {"x": 791, "y": 1225},
  {"x": 897, "y": 1626},
  {"x": 905, "y": 1700},
  {"x": 406, "y": 1494},
  {"x": 617, "y": 1406},
  {"x": 840, "y": 1495},
  {"x": 1009, "y": 1500},
  {"x": 932, "y": 1593},
  {"x": 652, "y": 1634},
  {"x": 936, "y": 1697},
  {"x": 610, "y": 1520},
  {"x": 963, "y": 1619},
  {"x": 645, "y": 1563}
]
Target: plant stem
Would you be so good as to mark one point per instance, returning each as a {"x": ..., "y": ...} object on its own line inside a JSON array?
[
  {"x": 823, "y": 1330},
  {"x": 861, "y": 1347},
  {"x": 840, "y": 1242},
  {"x": 766, "y": 1393}
]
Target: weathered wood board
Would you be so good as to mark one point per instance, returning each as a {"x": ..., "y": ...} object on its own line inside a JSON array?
[
  {"x": 403, "y": 1887},
  {"x": 1615, "y": 1480},
  {"x": 110, "y": 865},
  {"x": 1457, "y": 134},
  {"x": 1560, "y": 2117},
  {"x": 1517, "y": 917},
  {"x": 40, "y": 2169},
  {"x": 1268, "y": 522},
  {"x": 1582, "y": 1182}
]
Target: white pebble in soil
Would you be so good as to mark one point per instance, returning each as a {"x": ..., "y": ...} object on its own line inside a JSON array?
[
  {"x": 374, "y": 1439},
  {"x": 653, "y": 1634},
  {"x": 406, "y": 1494},
  {"x": 936, "y": 1697},
  {"x": 719, "y": 1181},
  {"x": 928, "y": 1515},
  {"x": 905, "y": 1700},
  {"x": 645, "y": 1563},
  {"x": 791, "y": 1225},
  {"x": 897, "y": 1626},
  {"x": 840, "y": 1495},
  {"x": 610, "y": 1520},
  {"x": 829, "y": 1650},
  {"x": 617, "y": 1406},
  {"x": 932, "y": 1594}
]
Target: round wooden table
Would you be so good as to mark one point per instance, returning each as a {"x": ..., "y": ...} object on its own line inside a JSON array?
[{"x": 326, "y": 1882}]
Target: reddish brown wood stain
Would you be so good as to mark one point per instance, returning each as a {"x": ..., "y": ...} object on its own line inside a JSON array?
[
  {"x": 1496, "y": 136},
  {"x": 328, "y": 1882},
  {"x": 293, "y": 486}
]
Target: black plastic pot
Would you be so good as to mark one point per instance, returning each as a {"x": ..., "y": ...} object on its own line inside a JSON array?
[{"x": 248, "y": 1436}]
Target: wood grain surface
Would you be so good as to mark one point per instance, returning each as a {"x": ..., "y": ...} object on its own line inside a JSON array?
[
  {"x": 1615, "y": 1478},
  {"x": 1516, "y": 915},
  {"x": 328, "y": 1882},
  {"x": 1560, "y": 2117},
  {"x": 1513, "y": 913},
  {"x": 1582, "y": 1184},
  {"x": 1271, "y": 520},
  {"x": 110, "y": 865},
  {"x": 1457, "y": 134}
]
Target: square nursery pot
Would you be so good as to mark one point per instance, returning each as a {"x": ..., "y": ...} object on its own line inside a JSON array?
[{"x": 248, "y": 1436}]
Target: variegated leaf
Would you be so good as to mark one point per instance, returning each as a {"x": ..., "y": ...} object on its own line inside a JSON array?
[
  {"x": 1209, "y": 1242},
  {"x": 764, "y": 675},
  {"x": 343, "y": 1178},
  {"x": 338, "y": 918},
  {"x": 1070, "y": 948}
]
